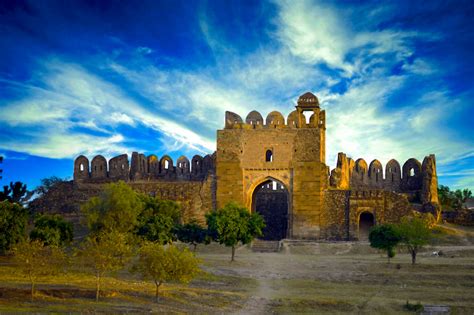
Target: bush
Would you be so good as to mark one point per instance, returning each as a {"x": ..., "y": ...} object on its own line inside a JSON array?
[
  {"x": 13, "y": 221},
  {"x": 158, "y": 219},
  {"x": 192, "y": 233},
  {"x": 52, "y": 230},
  {"x": 385, "y": 237}
]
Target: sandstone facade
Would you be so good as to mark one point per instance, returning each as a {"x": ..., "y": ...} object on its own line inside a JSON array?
[{"x": 254, "y": 154}]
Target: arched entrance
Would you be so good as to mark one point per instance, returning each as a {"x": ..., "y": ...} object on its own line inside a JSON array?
[
  {"x": 270, "y": 199},
  {"x": 366, "y": 221}
]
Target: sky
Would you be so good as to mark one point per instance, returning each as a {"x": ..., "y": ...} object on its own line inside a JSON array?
[{"x": 110, "y": 77}]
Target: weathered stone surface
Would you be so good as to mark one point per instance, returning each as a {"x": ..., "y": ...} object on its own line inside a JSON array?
[{"x": 322, "y": 204}]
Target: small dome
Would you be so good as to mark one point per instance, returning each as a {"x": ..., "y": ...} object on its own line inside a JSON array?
[{"x": 308, "y": 99}]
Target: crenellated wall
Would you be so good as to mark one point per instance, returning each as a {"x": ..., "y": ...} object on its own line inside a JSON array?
[
  {"x": 322, "y": 204},
  {"x": 275, "y": 120},
  {"x": 142, "y": 168},
  {"x": 417, "y": 181}
]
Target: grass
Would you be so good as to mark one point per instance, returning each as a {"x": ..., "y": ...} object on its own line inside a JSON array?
[{"x": 323, "y": 278}]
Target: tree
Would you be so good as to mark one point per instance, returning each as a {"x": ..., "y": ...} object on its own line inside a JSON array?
[
  {"x": 415, "y": 233},
  {"x": 104, "y": 252},
  {"x": 453, "y": 200},
  {"x": 115, "y": 209},
  {"x": 158, "y": 219},
  {"x": 233, "y": 224},
  {"x": 193, "y": 234},
  {"x": 16, "y": 193},
  {"x": 385, "y": 237},
  {"x": 34, "y": 259},
  {"x": 52, "y": 230},
  {"x": 163, "y": 264},
  {"x": 47, "y": 184},
  {"x": 13, "y": 221}
]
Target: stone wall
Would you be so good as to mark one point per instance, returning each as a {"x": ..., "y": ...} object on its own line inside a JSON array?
[
  {"x": 344, "y": 207},
  {"x": 418, "y": 182},
  {"x": 291, "y": 153},
  {"x": 142, "y": 168}
]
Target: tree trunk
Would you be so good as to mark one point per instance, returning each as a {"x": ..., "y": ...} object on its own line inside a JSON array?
[
  {"x": 195, "y": 246},
  {"x": 32, "y": 281},
  {"x": 32, "y": 289},
  {"x": 97, "y": 286},
  {"x": 233, "y": 253},
  {"x": 413, "y": 257},
  {"x": 157, "y": 292}
]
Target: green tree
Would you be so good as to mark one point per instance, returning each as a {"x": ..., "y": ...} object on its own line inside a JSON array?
[
  {"x": 192, "y": 233},
  {"x": 104, "y": 252},
  {"x": 164, "y": 264},
  {"x": 385, "y": 237},
  {"x": 233, "y": 224},
  {"x": 52, "y": 230},
  {"x": 35, "y": 260},
  {"x": 453, "y": 200},
  {"x": 158, "y": 219},
  {"x": 16, "y": 193},
  {"x": 116, "y": 209},
  {"x": 415, "y": 233},
  {"x": 47, "y": 184},
  {"x": 13, "y": 221}
]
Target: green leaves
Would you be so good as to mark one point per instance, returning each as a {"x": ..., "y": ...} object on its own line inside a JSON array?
[
  {"x": 233, "y": 224},
  {"x": 115, "y": 209},
  {"x": 52, "y": 230},
  {"x": 385, "y": 237},
  {"x": 164, "y": 264},
  {"x": 13, "y": 221}
]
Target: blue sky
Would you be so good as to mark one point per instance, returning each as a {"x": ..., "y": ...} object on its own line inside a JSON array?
[{"x": 112, "y": 77}]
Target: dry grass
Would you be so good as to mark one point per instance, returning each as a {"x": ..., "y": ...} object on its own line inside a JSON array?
[{"x": 323, "y": 278}]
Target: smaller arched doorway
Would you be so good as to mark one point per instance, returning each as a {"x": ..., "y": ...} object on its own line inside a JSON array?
[
  {"x": 270, "y": 199},
  {"x": 366, "y": 221}
]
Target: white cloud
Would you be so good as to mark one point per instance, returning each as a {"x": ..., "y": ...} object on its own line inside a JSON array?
[{"x": 74, "y": 97}]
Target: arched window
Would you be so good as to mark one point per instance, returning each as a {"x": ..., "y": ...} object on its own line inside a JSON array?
[
  {"x": 82, "y": 167},
  {"x": 412, "y": 172},
  {"x": 167, "y": 164},
  {"x": 269, "y": 156}
]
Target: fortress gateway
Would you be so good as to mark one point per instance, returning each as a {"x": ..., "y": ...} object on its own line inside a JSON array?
[{"x": 279, "y": 170}]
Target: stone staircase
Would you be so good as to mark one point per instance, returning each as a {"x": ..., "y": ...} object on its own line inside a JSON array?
[{"x": 262, "y": 246}]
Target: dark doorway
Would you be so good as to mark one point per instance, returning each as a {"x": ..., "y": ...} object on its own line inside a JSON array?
[
  {"x": 366, "y": 221},
  {"x": 270, "y": 199}
]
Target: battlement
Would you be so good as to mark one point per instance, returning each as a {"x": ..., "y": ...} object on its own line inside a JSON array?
[
  {"x": 142, "y": 168},
  {"x": 275, "y": 119},
  {"x": 417, "y": 180}
]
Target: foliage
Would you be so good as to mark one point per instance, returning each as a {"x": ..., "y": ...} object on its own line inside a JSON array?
[
  {"x": 453, "y": 200},
  {"x": 52, "y": 230},
  {"x": 103, "y": 252},
  {"x": 13, "y": 221},
  {"x": 34, "y": 259},
  {"x": 385, "y": 237},
  {"x": 233, "y": 224},
  {"x": 192, "y": 233},
  {"x": 16, "y": 193},
  {"x": 414, "y": 233},
  {"x": 47, "y": 184},
  {"x": 158, "y": 219},
  {"x": 163, "y": 264},
  {"x": 116, "y": 209},
  {"x": 413, "y": 307}
]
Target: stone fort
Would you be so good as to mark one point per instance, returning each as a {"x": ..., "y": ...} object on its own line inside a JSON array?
[{"x": 277, "y": 168}]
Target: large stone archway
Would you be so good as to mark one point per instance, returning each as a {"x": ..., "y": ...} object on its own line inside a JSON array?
[{"x": 271, "y": 199}]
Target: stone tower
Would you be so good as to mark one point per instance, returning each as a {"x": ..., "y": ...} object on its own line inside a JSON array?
[{"x": 288, "y": 156}]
